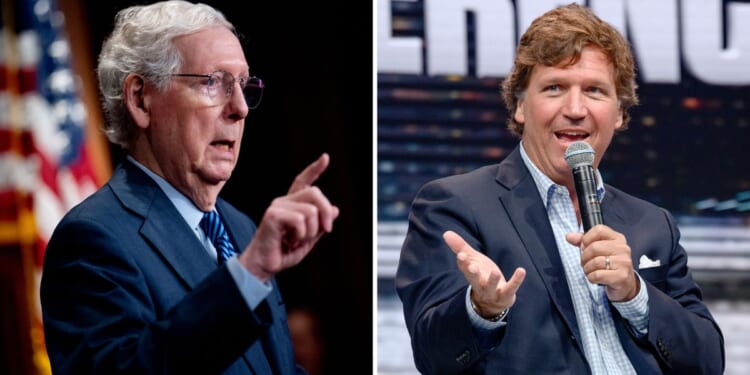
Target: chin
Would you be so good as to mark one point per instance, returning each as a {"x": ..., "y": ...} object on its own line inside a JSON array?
[
  {"x": 223, "y": 177},
  {"x": 215, "y": 177},
  {"x": 220, "y": 171}
]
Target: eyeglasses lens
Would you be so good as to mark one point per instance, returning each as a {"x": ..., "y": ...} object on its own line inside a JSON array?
[{"x": 253, "y": 92}]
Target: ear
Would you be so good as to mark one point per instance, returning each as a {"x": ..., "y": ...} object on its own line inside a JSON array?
[
  {"x": 136, "y": 100},
  {"x": 518, "y": 114},
  {"x": 620, "y": 119}
]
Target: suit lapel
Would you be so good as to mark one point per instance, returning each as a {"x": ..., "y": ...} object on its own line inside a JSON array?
[
  {"x": 613, "y": 214},
  {"x": 163, "y": 226},
  {"x": 529, "y": 217},
  {"x": 170, "y": 236}
]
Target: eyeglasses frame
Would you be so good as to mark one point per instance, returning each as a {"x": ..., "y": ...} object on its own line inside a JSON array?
[{"x": 230, "y": 89}]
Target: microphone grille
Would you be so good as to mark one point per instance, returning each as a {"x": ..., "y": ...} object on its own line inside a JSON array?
[{"x": 579, "y": 153}]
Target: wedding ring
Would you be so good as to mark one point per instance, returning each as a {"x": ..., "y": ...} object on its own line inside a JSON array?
[{"x": 607, "y": 266}]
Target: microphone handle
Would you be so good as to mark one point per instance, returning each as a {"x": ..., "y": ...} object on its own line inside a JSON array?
[{"x": 588, "y": 200}]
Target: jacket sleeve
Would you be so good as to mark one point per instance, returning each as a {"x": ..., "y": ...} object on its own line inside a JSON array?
[
  {"x": 432, "y": 288},
  {"x": 100, "y": 318}
]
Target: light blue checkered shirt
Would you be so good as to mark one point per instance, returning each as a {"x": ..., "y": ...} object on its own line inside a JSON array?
[{"x": 601, "y": 344}]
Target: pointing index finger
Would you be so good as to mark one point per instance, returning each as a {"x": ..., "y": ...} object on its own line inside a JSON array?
[{"x": 310, "y": 174}]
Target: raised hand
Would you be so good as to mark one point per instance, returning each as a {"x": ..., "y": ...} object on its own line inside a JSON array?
[
  {"x": 291, "y": 225},
  {"x": 490, "y": 292}
]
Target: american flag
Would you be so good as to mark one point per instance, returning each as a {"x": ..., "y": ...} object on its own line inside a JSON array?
[{"x": 45, "y": 162}]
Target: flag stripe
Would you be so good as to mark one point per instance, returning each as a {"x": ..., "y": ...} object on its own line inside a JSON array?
[{"x": 45, "y": 146}]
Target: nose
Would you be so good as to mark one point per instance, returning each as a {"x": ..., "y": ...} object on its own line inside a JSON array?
[
  {"x": 237, "y": 106},
  {"x": 575, "y": 104}
]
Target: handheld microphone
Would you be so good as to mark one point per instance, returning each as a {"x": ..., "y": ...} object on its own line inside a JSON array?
[{"x": 580, "y": 157}]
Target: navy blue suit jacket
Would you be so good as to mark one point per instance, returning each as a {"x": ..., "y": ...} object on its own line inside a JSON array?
[
  {"x": 127, "y": 288},
  {"x": 497, "y": 210}
]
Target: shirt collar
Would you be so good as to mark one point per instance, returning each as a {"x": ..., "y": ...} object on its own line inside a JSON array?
[
  {"x": 189, "y": 212},
  {"x": 547, "y": 187}
]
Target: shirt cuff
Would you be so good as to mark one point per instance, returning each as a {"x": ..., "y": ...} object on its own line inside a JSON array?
[
  {"x": 636, "y": 310},
  {"x": 477, "y": 320},
  {"x": 252, "y": 289}
]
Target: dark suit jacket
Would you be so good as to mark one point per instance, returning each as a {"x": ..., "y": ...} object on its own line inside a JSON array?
[
  {"x": 498, "y": 210},
  {"x": 127, "y": 288}
]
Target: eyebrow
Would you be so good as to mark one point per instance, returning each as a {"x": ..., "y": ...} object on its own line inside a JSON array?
[{"x": 554, "y": 78}]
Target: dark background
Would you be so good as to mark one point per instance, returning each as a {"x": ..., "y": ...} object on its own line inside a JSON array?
[{"x": 316, "y": 62}]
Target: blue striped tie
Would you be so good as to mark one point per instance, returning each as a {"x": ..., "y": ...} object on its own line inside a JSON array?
[{"x": 214, "y": 230}]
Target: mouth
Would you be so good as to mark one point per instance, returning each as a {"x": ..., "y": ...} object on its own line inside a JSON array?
[
  {"x": 223, "y": 145},
  {"x": 571, "y": 136}
]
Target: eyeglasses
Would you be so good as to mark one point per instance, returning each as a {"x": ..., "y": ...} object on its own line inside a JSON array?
[{"x": 220, "y": 82}]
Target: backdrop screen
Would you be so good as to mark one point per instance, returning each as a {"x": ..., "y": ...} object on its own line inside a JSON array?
[{"x": 440, "y": 66}]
